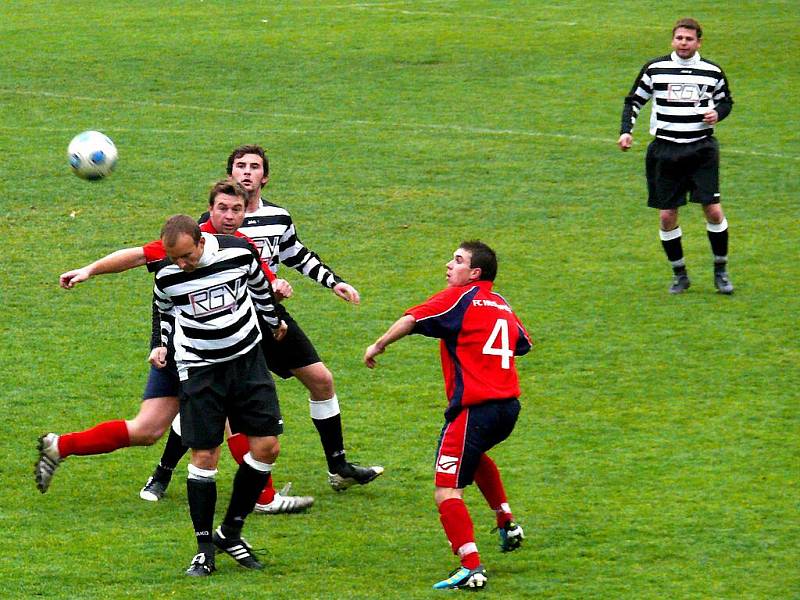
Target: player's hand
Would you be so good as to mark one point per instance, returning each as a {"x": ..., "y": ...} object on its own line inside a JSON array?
[
  {"x": 280, "y": 331},
  {"x": 369, "y": 356},
  {"x": 282, "y": 289},
  {"x": 158, "y": 357},
  {"x": 70, "y": 278},
  {"x": 625, "y": 141},
  {"x": 711, "y": 117},
  {"x": 347, "y": 292}
]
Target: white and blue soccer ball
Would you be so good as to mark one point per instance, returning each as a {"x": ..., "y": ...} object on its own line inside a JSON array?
[{"x": 92, "y": 155}]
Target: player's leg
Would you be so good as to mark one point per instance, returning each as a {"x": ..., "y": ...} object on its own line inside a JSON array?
[
  {"x": 456, "y": 460},
  {"x": 706, "y": 191},
  {"x": 665, "y": 192},
  {"x": 488, "y": 480},
  {"x": 202, "y": 413},
  {"x": 149, "y": 424}
]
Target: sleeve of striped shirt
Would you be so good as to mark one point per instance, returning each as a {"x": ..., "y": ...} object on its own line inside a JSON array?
[
  {"x": 295, "y": 255},
  {"x": 723, "y": 101},
  {"x": 165, "y": 312},
  {"x": 640, "y": 93},
  {"x": 261, "y": 291},
  {"x": 155, "y": 327}
]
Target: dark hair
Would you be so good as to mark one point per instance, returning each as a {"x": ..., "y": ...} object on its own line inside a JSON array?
[
  {"x": 176, "y": 226},
  {"x": 688, "y": 23},
  {"x": 481, "y": 257},
  {"x": 228, "y": 187},
  {"x": 248, "y": 149}
]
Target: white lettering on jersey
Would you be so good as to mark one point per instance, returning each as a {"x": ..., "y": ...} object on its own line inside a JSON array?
[
  {"x": 491, "y": 303},
  {"x": 267, "y": 246},
  {"x": 447, "y": 464},
  {"x": 687, "y": 92},
  {"x": 214, "y": 299}
]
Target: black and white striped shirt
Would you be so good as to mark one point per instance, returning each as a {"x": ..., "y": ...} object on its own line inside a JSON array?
[
  {"x": 271, "y": 229},
  {"x": 212, "y": 310},
  {"x": 683, "y": 90}
]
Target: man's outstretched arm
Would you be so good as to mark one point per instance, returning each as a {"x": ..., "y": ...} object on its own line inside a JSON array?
[
  {"x": 116, "y": 262},
  {"x": 399, "y": 329}
]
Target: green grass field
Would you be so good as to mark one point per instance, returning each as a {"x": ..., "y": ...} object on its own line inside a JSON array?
[{"x": 657, "y": 455}]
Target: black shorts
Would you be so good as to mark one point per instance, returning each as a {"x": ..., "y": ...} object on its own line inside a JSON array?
[
  {"x": 240, "y": 390},
  {"x": 464, "y": 439},
  {"x": 675, "y": 170},
  {"x": 294, "y": 351},
  {"x": 162, "y": 382}
]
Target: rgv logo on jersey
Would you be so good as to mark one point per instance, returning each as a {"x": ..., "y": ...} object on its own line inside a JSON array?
[
  {"x": 687, "y": 92},
  {"x": 267, "y": 246},
  {"x": 216, "y": 299}
]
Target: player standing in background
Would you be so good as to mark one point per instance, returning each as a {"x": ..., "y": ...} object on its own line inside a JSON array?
[
  {"x": 272, "y": 230},
  {"x": 480, "y": 337},
  {"x": 690, "y": 96},
  {"x": 208, "y": 291}
]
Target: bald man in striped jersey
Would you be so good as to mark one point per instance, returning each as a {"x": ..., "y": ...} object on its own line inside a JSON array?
[{"x": 690, "y": 95}]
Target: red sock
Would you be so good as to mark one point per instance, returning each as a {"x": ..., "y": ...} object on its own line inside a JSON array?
[
  {"x": 102, "y": 438},
  {"x": 268, "y": 493},
  {"x": 487, "y": 478},
  {"x": 457, "y": 525},
  {"x": 239, "y": 445}
]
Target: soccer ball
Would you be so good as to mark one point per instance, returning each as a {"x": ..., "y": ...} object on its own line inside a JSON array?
[{"x": 92, "y": 155}]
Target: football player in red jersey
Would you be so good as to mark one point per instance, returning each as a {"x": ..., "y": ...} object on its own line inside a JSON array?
[{"x": 480, "y": 336}]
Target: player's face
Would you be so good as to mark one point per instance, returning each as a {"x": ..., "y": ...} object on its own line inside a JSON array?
[
  {"x": 459, "y": 271},
  {"x": 685, "y": 42},
  {"x": 227, "y": 213},
  {"x": 248, "y": 170},
  {"x": 185, "y": 253}
]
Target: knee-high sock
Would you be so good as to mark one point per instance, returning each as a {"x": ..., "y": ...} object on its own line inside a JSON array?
[
  {"x": 327, "y": 419},
  {"x": 458, "y": 528},
  {"x": 488, "y": 480},
  {"x": 100, "y": 439},
  {"x": 671, "y": 242},
  {"x": 173, "y": 452},
  {"x": 201, "y": 491},
  {"x": 247, "y": 485},
  {"x": 239, "y": 446},
  {"x": 718, "y": 238}
]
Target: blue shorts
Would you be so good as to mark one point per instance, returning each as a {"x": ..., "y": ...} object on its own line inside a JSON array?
[
  {"x": 162, "y": 382},
  {"x": 474, "y": 431}
]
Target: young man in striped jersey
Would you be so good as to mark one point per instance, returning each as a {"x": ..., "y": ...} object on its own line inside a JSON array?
[
  {"x": 272, "y": 230},
  {"x": 691, "y": 95},
  {"x": 208, "y": 293},
  {"x": 479, "y": 337}
]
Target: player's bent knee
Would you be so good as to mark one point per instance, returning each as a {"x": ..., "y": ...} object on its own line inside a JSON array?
[{"x": 265, "y": 449}]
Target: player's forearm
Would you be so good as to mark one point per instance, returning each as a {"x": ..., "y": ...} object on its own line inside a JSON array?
[
  {"x": 399, "y": 329},
  {"x": 117, "y": 262}
]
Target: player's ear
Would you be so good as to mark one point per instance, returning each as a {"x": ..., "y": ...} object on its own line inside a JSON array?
[{"x": 475, "y": 273}]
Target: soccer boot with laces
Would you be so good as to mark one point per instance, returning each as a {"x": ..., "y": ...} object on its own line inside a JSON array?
[
  {"x": 202, "y": 565},
  {"x": 511, "y": 536},
  {"x": 680, "y": 283},
  {"x": 236, "y": 548},
  {"x": 723, "y": 282},
  {"x": 351, "y": 474},
  {"x": 284, "y": 503},
  {"x": 153, "y": 490},
  {"x": 49, "y": 459},
  {"x": 464, "y": 579}
]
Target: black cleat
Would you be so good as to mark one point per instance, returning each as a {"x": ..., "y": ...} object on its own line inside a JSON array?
[
  {"x": 680, "y": 283},
  {"x": 153, "y": 490},
  {"x": 351, "y": 474},
  {"x": 48, "y": 461},
  {"x": 202, "y": 565},
  {"x": 723, "y": 283},
  {"x": 237, "y": 548}
]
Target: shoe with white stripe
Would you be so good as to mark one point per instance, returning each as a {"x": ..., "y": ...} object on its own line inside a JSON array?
[
  {"x": 284, "y": 503},
  {"x": 153, "y": 490},
  {"x": 236, "y": 548},
  {"x": 511, "y": 536},
  {"x": 351, "y": 474},
  {"x": 464, "y": 579},
  {"x": 48, "y": 462},
  {"x": 202, "y": 565}
]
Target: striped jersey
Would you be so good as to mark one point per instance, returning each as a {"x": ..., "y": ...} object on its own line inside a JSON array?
[
  {"x": 211, "y": 311},
  {"x": 271, "y": 229},
  {"x": 480, "y": 336},
  {"x": 682, "y": 91}
]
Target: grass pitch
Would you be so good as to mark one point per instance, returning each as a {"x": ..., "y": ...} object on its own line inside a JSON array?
[{"x": 657, "y": 455}]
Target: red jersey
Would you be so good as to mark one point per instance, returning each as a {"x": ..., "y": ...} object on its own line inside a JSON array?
[
  {"x": 480, "y": 336},
  {"x": 154, "y": 251}
]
